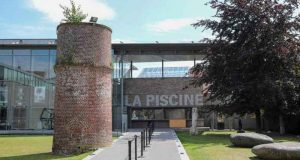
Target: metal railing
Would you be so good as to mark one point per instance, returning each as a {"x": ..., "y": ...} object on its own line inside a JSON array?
[{"x": 146, "y": 136}]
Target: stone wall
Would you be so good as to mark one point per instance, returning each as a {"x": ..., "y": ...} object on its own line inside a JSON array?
[{"x": 82, "y": 112}]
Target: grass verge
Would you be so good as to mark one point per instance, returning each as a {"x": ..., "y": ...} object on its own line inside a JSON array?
[
  {"x": 27, "y": 147},
  {"x": 216, "y": 146}
]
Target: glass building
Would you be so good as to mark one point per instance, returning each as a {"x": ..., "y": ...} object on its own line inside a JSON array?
[
  {"x": 26, "y": 85},
  {"x": 27, "y": 79}
]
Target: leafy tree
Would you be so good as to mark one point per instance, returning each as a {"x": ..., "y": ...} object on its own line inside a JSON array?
[
  {"x": 250, "y": 64},
  {"x": 73, "y": 14}
]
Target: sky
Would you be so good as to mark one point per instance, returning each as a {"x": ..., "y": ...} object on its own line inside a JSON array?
[{"x": 132, "y": 21}]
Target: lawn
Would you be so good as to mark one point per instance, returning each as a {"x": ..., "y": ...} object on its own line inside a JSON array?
[
  {"x": 216, "y": 146},
  {"x": 31, "y": 148}
]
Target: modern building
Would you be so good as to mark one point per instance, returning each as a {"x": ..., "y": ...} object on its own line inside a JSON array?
[{"x": 150, "y": 84}]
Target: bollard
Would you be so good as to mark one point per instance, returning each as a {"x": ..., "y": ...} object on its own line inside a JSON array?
[
  {"x": 146, "y": 137},
  {"x": 149, "y": 138},
  {"x": 142, "y": 142},
  {"x": 135, "y": 147},
  {"x": 129, "y": 150}
]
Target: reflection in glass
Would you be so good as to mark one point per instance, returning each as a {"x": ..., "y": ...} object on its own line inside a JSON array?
[
  {"x": 126, "y": 69},
  {"x": 6, "y": 60},
  {"x": 177, "y": 68},
  {"x": 22, "y": 63},
  {"x": 40, "y": 65},
  {"x": 52, "y": 52},
  {"x": 40, "y": 52},
  {"x": 5, "y": 52},
  {"x": 3, "y": 96},
  {"x": 52, "y": 64},
  {"x": 147, "y": 70},
  {"x": 22, "y": 52}
]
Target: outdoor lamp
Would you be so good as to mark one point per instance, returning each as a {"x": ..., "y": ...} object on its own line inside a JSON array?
[{"x": 94, "y": 19}]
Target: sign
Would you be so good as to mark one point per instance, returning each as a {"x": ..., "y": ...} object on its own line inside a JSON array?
[
  {"x": 182, "y": 100},
  {"x": 39, "y": 94}
]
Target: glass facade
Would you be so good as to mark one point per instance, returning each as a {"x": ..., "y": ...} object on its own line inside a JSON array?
[
  {"x": 24, "y": 98},
  {"x": 27, "y": 80},
  {"x": 158, "y": 65},
  {"x": 26, "y": 94}
]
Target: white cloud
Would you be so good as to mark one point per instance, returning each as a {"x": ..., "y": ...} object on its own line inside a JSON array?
[
  {"x": 52, "y": 10},
  {"x": 169, "y": 25},
  {"x": 26, "y": 31}
]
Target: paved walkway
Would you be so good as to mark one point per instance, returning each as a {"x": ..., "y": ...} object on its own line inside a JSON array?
[{"x": 164, "y": 146}]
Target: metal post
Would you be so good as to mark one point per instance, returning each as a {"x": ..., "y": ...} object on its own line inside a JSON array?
[
  {"x": 150, "y": 134},
  {"x": 135, "y": 147},
  {"x": 142, "y": 142},
  {"x": 146, "y": 137},
  {"x": 129, "y": 150},
  {"x": 122, "y": 90},
  {"x": 131, "y": 66},
  {"x": 162, "y": 68}
]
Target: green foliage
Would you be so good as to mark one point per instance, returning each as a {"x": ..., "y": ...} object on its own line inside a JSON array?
[
  {"x": 66, "y": 58},
  {"x": 251, "y": 61},
  {"x": 73, "y": 14}
]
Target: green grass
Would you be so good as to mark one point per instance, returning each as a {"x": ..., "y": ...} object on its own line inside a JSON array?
[
  {"x": 31, "y": 148},
  {"x": 216, "y": 146}
]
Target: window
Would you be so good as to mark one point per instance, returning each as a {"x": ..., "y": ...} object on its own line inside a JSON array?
[
  {"x": 52, "y": 52},
  {"x": 52, "y": 64},
  {"x": 40, "y": 66},
  {"x": 177, "y": 68},
  {"x": 5, "y": 52},
  {"x": 147, "y": 70},
  {"x": 6, "y": 60},
  {"x": 22, "y": 63},
  {"x": 21, "y": 52},
  {"x": 40, "y": 52}
]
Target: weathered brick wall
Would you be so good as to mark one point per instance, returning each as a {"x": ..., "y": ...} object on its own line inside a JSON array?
[{"x": 82, "y": 112}]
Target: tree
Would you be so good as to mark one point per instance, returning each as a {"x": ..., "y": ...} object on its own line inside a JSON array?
[
  {"x": 73, "y": 14},
  {"x": 250, "y": 64}
]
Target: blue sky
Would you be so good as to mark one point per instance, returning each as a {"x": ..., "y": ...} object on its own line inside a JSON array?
[{"x": 135, "y": 21}]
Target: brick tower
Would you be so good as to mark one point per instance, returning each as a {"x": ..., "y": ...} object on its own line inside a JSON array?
[{"x": 82, "y": 111}]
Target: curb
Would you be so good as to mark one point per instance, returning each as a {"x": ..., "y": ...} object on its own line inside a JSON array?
[{"x": 180, "y": 148}]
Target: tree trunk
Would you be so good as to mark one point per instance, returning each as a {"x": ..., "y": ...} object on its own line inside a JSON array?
[
  {"x": 194, "y": 130},
  {"x": 212, "y": 122},
  {"x": 258, "y": 121},
  {"x": 281, "y": 124},
  {"x": 230, "y": 123}
]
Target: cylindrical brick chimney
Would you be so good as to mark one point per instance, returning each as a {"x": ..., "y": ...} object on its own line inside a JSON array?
[{"x": 83, "y": 102}]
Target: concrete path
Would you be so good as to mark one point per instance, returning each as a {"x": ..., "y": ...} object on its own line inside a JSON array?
[{"x": 164, "y": 146}]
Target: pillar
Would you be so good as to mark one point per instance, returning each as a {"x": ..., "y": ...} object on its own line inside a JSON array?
[{"x": 83, "y": 95}]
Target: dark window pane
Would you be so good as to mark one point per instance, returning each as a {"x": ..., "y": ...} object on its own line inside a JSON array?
[
  {"x": 6, "y": 60},
  {"x": 40, "y": 52},
  {"x": 21, "y": 52},
  {"x": 5, "y": 52},
  {"x": 22, "y": 63},
  {"x": 40, "y": 66}
]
